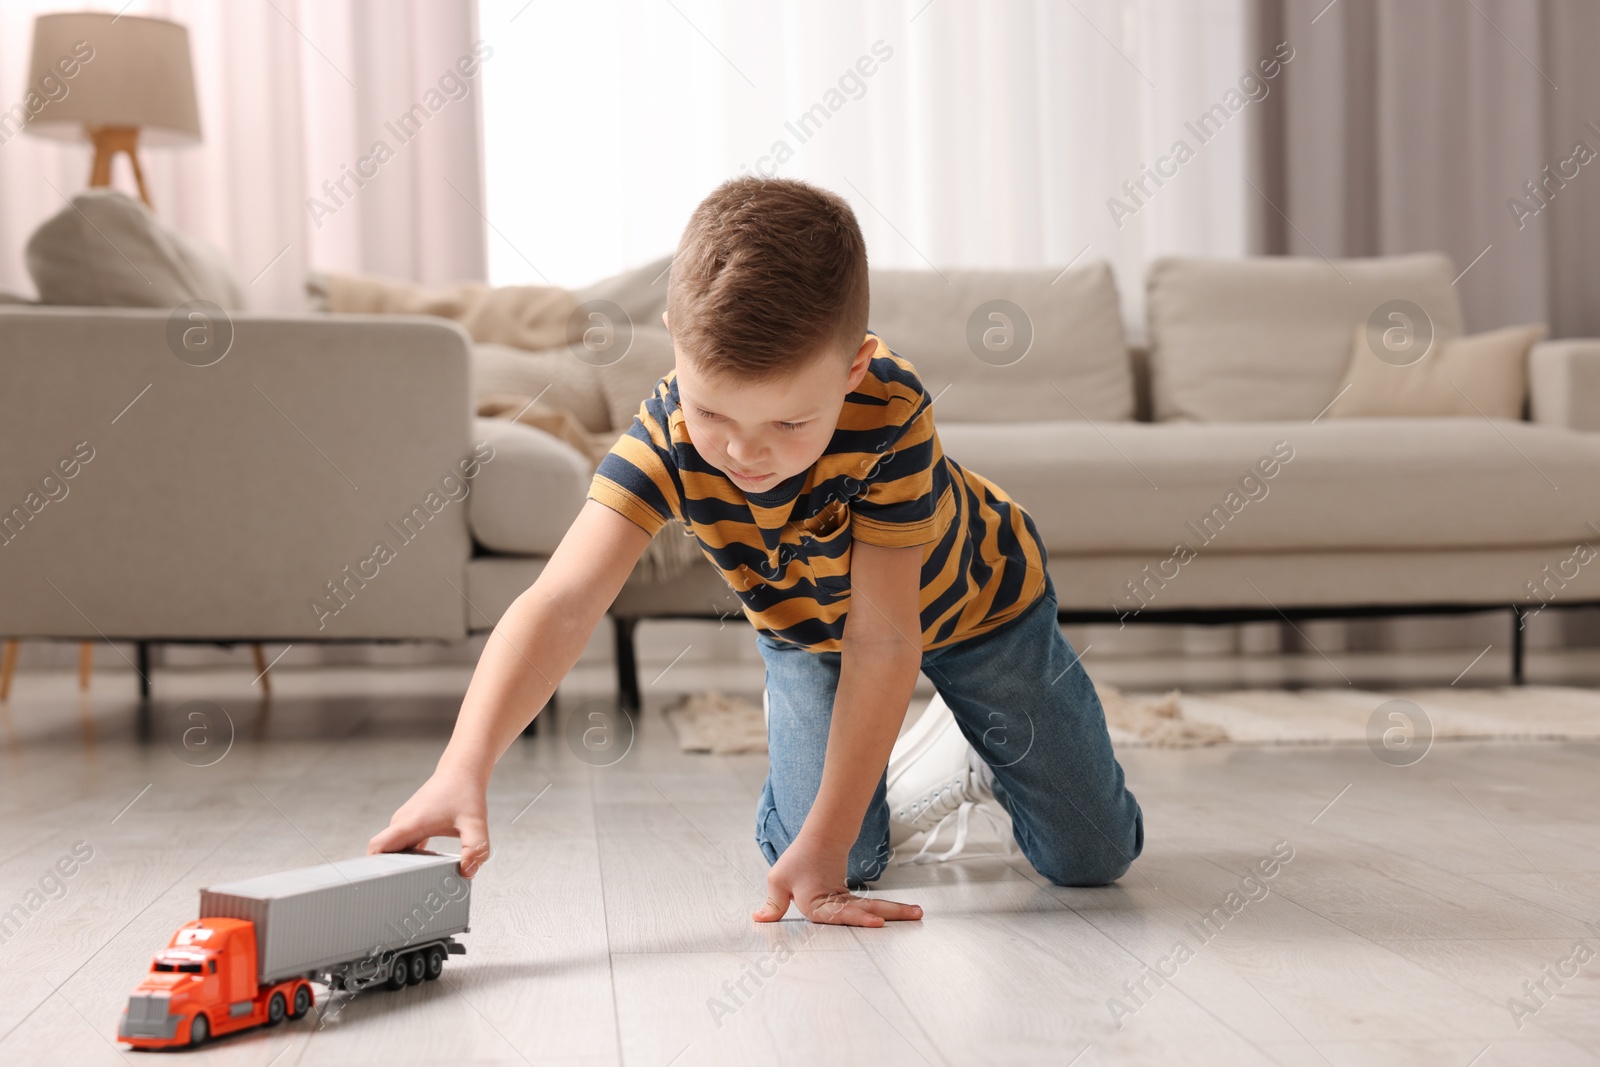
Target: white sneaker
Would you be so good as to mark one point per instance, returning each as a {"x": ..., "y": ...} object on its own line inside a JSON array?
[{"x": 935, "y": 778}]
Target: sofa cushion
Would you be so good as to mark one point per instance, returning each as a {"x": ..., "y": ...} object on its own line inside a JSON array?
[
  {"x": 1484, "y": 374},
  {"x": 1073, "y": 362},
  {"x": 106, "y": 249},
  {"x": 526, "y": 496},
  {"x": 1346, "y": 484},
  {"x": 1269, "y": 338}
]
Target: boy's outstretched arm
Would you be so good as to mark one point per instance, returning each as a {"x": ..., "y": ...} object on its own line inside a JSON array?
[
  {"x": 880, "y": 653},
  {"x": 532, "y": 648}
]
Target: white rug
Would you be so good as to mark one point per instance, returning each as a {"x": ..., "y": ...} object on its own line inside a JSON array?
[
  {"x": 718, "y": 723},
  {"x": 1332, "y": 716},
  {"x": 722, "y": 724}
]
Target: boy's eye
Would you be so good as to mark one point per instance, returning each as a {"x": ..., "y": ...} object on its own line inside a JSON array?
[{"x": 704, "y": 414}]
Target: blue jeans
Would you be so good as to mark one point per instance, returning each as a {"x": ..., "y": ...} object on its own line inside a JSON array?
[{"x": 1022, "y": 700}]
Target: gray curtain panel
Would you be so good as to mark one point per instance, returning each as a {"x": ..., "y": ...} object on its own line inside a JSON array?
[{"x": 1413, "y": 125}]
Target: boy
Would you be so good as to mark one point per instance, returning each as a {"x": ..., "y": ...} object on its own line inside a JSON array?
[{"x": 802, "y": 455}]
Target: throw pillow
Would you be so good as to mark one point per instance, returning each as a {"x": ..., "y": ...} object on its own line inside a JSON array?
[
  {"x": 106, "y": 249},
  {"x": 1486, "y": 373}
]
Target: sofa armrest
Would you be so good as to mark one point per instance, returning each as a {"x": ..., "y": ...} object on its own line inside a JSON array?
[
  {"x": 226, "y": 501},
  {"x": 1564, "y": 384}
]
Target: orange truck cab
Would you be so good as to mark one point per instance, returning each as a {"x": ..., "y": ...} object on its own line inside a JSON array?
[{"x": 204, "y": 983}]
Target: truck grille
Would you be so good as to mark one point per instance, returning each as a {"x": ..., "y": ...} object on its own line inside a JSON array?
[{"x": 147, "y": 1016}]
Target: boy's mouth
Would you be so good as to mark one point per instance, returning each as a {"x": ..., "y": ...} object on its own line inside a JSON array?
[{"x": 743, "y": 477}]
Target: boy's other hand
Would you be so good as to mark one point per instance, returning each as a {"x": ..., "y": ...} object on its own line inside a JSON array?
[
  {"x": 448, "y": 805},
  {"x": 812, "y": 876}
]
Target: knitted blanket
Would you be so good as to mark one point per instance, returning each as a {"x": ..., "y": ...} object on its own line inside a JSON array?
[{"x": 535, "y": 319}]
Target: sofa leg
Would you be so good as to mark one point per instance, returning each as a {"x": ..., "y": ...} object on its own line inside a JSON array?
[
  {"x": 627, "y": 663},
  {"x": 260, "y": 656},
  {"x": 143, "y": 668},
  {"x": 8, "y": 667},
  {"x": 1518, "y": 644}
]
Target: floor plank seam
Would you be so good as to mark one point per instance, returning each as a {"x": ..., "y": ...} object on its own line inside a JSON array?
[{"x": 605, "y": 925}]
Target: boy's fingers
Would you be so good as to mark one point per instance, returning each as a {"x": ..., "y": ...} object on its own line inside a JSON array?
[
  {"x": 394, "y": 839},
  {"x": 776, "y": 907},
  {"x": 474, "y": 854},
  {"x": 851, "y": 914},
  {"x": 839, "y": 909},
  {"x": 889, "y": 909},
  {"x": 474, "y": 834}
]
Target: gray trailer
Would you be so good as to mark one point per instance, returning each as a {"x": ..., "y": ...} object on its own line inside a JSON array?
[{"x": 387, "y": 918}]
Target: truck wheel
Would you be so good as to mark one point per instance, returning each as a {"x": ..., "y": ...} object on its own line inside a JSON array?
[
  {"x": 399, "y": 973},
  {"x": 418, "y": 967},
  {"x": 199, "y": 1030},
  {"x": 302, "y": 1001},
  {"x": 276, "y": 1009},
  {"x": 435, "y": 959}
]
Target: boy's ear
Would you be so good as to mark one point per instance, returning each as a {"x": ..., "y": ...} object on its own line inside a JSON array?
[
  {"x": 863, "y": 357},
  {"x": 665, "y": 323}
]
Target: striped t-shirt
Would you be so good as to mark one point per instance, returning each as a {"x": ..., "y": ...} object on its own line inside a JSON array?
[{"x": 883, "y": 480}]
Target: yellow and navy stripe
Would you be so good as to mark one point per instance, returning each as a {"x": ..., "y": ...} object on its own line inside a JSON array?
[{"x": 883, "y": 480}]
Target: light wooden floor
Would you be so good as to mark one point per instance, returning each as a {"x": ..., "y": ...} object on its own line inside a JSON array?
[{"x": 614, "y": 916}]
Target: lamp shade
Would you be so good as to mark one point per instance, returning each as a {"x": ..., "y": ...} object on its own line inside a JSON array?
[{"x": 138, "y": 74}]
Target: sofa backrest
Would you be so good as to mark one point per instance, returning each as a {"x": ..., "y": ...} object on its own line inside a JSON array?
[
  {"x": 1270, "y": 337},
  {"x": 1010, "y": 346}
]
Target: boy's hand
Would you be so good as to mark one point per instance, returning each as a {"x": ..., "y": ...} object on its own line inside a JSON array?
[
  {"x": 812, "y": 876},
  {"x": 449, "y": 804}
]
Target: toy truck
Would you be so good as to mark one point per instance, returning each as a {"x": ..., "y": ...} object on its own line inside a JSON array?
[{"x": 248, "y": 960}]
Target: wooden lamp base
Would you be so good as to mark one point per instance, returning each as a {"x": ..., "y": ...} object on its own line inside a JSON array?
[{"x": 108, "y": 141}]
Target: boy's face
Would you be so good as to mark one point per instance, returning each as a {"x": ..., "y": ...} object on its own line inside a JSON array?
[{"x": 759, "y": 434}]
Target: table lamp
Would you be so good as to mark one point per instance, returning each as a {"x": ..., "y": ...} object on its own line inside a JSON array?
[
  {"x": 112, "y": 80},
  {"x": 137, "y": 84}
]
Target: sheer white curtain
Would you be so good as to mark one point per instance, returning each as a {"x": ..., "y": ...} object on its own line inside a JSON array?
[
  {"x": 966, "y": 133},
  {"x": 291, "y": 93},
  {"x": 986, "y": 134}
]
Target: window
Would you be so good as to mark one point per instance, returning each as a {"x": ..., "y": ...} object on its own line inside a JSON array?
[
  {"x": 186, "y": 968},
  {"x": 964, "y": 134}
]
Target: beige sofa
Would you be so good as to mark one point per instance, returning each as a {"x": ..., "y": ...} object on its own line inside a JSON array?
[
  {"x": 223, "y": 503},
  {"x": 1369, "y": 516}
]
